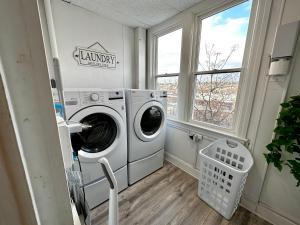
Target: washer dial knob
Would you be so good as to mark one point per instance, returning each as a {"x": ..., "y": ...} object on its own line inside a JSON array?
[
  {"x": 152, "y": 95},
  {"x": 94, "y": 97}
]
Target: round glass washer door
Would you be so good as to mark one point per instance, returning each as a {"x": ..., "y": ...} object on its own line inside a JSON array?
[
  {"x": 104, "y": 127},
  {"x": 149, "y": 121}
]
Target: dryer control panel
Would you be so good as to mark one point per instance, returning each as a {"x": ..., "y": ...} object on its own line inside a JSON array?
[{"x": 148, "y": 94}]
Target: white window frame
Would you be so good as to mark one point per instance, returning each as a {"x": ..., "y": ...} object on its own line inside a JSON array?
[
  {"x": 253, "y": 53},
  {"x": 245, "y": 64},
  {"x": 157, "y": 35}
]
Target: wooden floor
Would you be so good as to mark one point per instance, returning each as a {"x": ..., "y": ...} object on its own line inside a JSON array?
[{"x": 169, "y": 196}]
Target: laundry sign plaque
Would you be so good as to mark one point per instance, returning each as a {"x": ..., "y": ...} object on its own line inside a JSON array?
[{"x": 90, "y": 56}]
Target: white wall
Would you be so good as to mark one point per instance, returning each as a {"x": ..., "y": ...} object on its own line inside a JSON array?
[
  {"x": 140, "y": 57},
  {"x": 129, "y": 63},
  {"x": 75, "y": 26},
  {"x": 279, "y": 190}
]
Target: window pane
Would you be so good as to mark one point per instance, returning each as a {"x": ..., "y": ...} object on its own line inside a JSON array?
[
  {"x": 223, "y": 38},
  {"x": 169, "y": 84},
  {"x": 215, "y": 98},
  {"x": 168, "y": 52}
]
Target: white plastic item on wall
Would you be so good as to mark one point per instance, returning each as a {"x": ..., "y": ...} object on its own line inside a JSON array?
[
  {"x": 279, "y": 67},
  {"x": 65, "y": 142},
  {"x": 224, "y": 167}
]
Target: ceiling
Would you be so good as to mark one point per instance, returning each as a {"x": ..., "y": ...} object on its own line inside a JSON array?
[{"x": 136, "y": 13}]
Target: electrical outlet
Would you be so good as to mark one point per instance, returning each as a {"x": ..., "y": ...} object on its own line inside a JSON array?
[{"x": 195, "y": 137}]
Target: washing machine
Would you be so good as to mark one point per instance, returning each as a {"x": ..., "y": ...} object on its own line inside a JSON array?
[
  {"x": 103, "y": 115},
  {"x": 146, "y": 123}
]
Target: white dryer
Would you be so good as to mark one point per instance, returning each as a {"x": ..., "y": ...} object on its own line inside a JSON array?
[
  {"x": 103, "y": 113},
  {"x": 146, "y": 123}
]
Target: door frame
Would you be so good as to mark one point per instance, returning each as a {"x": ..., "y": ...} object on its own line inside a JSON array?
[{"x": 31, "y": 117}]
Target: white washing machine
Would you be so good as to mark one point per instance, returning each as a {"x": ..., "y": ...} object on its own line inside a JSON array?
[
  {"x": 146, "y": 123},
  {"x": 103, "y": 113}
]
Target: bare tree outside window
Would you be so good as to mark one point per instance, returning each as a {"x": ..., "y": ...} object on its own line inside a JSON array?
[
  {"x": 215, "y": 60},
  {"x": 221, "y": 50},
  {"x": 216, "y": 93}
]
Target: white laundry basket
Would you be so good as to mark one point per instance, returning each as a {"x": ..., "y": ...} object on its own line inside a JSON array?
[{"x": 224, "y": 167}]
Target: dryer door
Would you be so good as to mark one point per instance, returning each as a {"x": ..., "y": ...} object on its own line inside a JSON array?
[
  {"x": 149, "y": 121},
  {"x": 104, "y": 128}
]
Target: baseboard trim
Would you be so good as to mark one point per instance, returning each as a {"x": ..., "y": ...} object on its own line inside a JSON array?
[
  {"x": 271, "y": 216},
  {"x": 182, "y": 165},
  {"x": 266, "y": 213},
  {"x": 249, "y": 205}
]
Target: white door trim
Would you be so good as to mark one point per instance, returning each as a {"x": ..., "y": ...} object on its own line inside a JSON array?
[{"x": 28, "y": 93}]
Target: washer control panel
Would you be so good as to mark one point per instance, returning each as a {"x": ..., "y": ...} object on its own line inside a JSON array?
[
  {"x": 94, "y": 97},
  {"x": 75, "y": 100},
  {"x": 71, "y": 99},
  {"x": 84, "y": 98},
  {"x": 114, "y": 95},
  {"x": 91, "y": 98}
]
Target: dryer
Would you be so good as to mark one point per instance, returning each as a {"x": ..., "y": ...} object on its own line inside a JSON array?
[
  {"x": 103, "y": 113},
  {"x": 146, "y": 123}
]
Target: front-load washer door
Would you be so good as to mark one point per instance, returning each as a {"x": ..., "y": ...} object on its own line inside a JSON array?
[
  {"x": 103, "y": 129},
  {"x": 149, "y": 121}
]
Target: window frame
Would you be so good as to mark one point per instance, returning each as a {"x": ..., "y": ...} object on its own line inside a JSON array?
[
  {"x": 243, "y": 102},
  {"x": 157, "y": 35},
  {"x": 253, "y": 57},
  {"x": 241, "y": 70}
]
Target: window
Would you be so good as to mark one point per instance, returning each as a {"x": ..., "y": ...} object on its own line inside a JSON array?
[
  {"x": 218, "y": 67},
  {"x": 168, "y": 67},
  {"x": 218, "y": 58}
]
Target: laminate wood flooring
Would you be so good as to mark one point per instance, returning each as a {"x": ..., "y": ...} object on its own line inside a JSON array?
[{"x": 169, "y": 196}]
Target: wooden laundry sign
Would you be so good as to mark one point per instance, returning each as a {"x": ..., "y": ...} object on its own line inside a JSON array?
[{"x": 89, "y": 56}]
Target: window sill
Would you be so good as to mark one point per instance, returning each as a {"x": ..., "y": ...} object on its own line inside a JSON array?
[{"x": 207, "y": 133}]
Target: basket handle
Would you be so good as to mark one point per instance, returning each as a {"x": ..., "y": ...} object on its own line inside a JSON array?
[{"x": 231, "y": 144}]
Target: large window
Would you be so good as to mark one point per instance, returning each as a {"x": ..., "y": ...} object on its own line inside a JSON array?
[
  {"x": 168, "y": 67},
  {"x": 218, "y": 68},
  {"x": 208, "y": 59}
]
